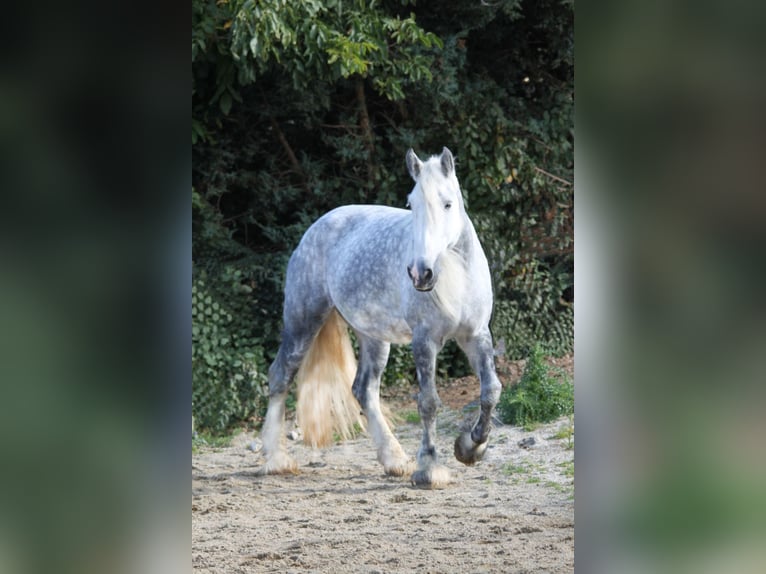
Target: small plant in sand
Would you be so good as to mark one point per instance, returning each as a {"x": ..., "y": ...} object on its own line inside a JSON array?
[{"x": 539, "y": 397}]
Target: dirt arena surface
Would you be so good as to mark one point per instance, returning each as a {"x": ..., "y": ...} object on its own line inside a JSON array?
[{"x": 513, "y": 512}]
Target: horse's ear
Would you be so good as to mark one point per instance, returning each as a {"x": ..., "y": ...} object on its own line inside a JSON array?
[
  {"x": 413, "y": 164},
  {"x": 447, "y": 161}
]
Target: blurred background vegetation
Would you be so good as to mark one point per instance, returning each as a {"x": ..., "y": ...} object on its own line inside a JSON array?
[{"x": 298, "y": 107}]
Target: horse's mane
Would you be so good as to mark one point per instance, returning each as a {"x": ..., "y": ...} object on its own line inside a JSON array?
[{"x": 451, "y": 283}]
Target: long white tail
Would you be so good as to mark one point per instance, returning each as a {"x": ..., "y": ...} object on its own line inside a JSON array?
[{"x": 326, "y": 406}]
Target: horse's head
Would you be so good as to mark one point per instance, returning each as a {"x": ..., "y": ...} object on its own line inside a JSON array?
[{"x": 437, "y": 215}]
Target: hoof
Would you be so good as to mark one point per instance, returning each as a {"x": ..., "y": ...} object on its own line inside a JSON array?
[
  {"x": 398, "y": 468},
  {"x": 394, "y": 461},
  {"x": 434, "y": 477},
  {"x": 467, "y": 451},
  {"x": 278, "y": 463}
]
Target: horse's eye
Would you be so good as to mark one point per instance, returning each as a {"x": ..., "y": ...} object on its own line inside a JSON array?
[{"x": 448, "y": 205}]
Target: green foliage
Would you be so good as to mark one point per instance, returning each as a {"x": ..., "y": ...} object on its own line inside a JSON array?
[
  {"x": 214, "y": 84},
  {"x": 400, "y": 369},
  {"x": 567, "y": 432},
  {"x": 538, "y": 397},
  {"x": 228, "y": 366},
  {"x": 568, "y": 468},
  {"x": 207, "y": 439},
  {"x": 411, "y": 417},
  {"x": 329, "y": 40},
  {"x": 299, "y": 107},
  {"x": 236, "y": 317},
  {"x": 510, "y": 469}
]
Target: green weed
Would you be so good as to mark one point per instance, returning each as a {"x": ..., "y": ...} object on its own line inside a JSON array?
[
  {"x": 566, "y": 432},
  {"x": 567, "y": 468},
  {"x": 538, "y": 397},
  {"x": 210, "y": 440},
  {"x": 412, "y": 417},
  {"x": 356, "y": 430},
  {"x": 556, "y": 486},
  {"x": 508, "y": 469}
]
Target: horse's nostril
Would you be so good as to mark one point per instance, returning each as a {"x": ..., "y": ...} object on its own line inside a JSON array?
[
  {"x": 428, "y": 275},
  {"x": 409, "y": 271}
]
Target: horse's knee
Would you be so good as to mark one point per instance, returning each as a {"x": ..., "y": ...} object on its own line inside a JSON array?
[
  {"x": 428, "y": 403},
  {"x": 490, "y": 393}
]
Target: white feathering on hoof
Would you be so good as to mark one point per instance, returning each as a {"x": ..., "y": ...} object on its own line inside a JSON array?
[
  {"x": 434, "y": 477},
  {"x": 279, "y": 463}
]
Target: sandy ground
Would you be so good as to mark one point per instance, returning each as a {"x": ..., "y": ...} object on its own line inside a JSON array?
[{"x": 512, "y": 512}]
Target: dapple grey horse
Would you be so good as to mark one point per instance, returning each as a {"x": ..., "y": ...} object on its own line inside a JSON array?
[{"x": 415, "y": 276}]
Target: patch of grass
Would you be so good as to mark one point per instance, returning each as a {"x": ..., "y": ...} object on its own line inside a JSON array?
[
  {"x": 556, "y": 486},
  {"x": 533, "y": 480},
  {"x": 412, "y": 417},
  {"x": 568, "y": 468},
  {"x": 538, "y": 397},
  {"x": 508, "y": 469},
  {"x": 566, "y": 432},
  {"x": 291, "y": 401},
  {"x": 210, "y": 440},
  {"x": 356, "y": 430}
]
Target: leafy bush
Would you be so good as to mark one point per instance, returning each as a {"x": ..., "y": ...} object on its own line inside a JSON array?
[
  {"x": 538, "y": 397},
  {"x": 228, "y": 364}
]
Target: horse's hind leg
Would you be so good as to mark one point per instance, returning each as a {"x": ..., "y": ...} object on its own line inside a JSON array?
[
  {"x": 296, "y": 340},
  {"x": 281, "y": 372},
  {"x": 373, "y": 356},
  {"x": 430, "y": 474},
  {"x": 471, "y": 445}
]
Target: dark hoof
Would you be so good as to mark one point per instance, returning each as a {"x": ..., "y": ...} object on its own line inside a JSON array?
[
  {"x": 434, "y": 477},
  {"x": 467, "y": 451}
]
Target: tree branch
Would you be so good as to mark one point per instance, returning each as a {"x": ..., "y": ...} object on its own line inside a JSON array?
[
  {"x": 290, "y": 154},
  {"x": 369, "y": 137},
  {"x": 557, "y": 178}
]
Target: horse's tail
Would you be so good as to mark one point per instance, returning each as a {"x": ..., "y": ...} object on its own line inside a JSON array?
[{"x": 326, "y": 406}]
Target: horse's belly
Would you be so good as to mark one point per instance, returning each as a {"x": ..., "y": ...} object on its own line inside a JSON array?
[{"x": 376, "y": 321}]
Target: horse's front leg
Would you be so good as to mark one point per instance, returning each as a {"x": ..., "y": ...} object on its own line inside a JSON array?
[
  {"x": 373, "y": 355},
  {"x": 429, "y": 473},
  {"x": 471, "y": 445}
]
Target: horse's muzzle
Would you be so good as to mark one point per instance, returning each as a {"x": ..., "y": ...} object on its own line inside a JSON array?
[{"x": 422, "y": 280}]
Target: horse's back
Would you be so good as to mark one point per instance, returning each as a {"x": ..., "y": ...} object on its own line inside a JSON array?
[
  {"x": 350, "y": 241},
  {"x": 353, "y": 258},
  {"x": 351, "y": 231}
]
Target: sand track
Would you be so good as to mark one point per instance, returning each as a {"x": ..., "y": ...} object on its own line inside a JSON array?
[{"x": 513, "y": 512}]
